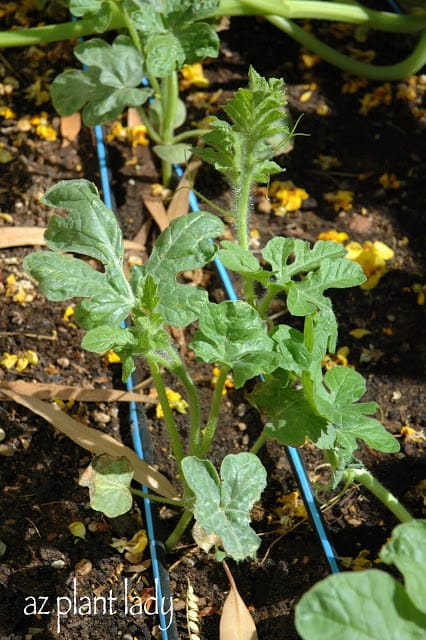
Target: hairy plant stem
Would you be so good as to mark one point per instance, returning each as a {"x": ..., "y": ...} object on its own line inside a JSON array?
[
  {"x": 179, "y": 530},
  {"x": 242, "y": 195},
  {"x": 175, "y": 440},
  {"x": 384, "y": 495},
  {"x": 211, "y": 425},
  {"x": 169, "y": 102}
]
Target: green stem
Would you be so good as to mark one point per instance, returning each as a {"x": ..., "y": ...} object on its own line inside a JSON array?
[
  {"x": 211, "y": 425},
  {"x": 169, "y": 102},
  {"x": 255, "y": 448},
  {"x": 175, "y": 440},
  {"x": 264, "y": 303},
  {"x": 154, "y": 498},
  {"x": 383, "y": 73},
  {"x": 57, "y": 32},
  {"x": 242, "y": 197},
  {"x": 190, "y": 134},
  {"x": 194, "y": 407},
  {"x": 384, "y": 495},
  {"x": 339, "y": 12},
  {"x": 178, "y": 531}
]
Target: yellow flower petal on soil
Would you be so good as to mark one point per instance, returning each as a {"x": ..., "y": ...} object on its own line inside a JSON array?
[
  {"x": 341, "y": 200},
  {"x": 372, "y": 256},
  {"x": 359, "y": 563},
  {"x": 310, "y": 59},
  {"x": 28, "y": 358},
  {"x": 420, "y": 289},
  {"x": 8, "y": 360},
  {"x": 382, "y": 95},
  {"x": 285, "y": 197},
  {"x": 176, "y": 402},
  {"x": 138, "y": 136},
  {"x": 7, "y": 113},
  {"x": 359, "y": 333},
  {"x": 389, "y": 181},
  {"x": 335, "y": 236},
  {"x": 137, "y": 544},
  {"x": 112, "y": 357},
  {"x": 340, "y": 358},
  {"x": 6, "y": 217},
  {"x": 192, "y": 75},
  {"x": 78, "y": 529}
]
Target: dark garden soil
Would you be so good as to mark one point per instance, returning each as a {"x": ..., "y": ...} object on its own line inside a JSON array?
[{"x": 343, "y": 150}]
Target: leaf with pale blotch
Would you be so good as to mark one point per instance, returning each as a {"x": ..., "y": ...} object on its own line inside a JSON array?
[{"x": 108, "y": 480}]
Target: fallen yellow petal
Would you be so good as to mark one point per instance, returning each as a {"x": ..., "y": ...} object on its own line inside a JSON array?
[{"x": 359, "y": 333}]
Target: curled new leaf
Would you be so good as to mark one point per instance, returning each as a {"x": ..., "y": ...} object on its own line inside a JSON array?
[{"x": 233, "y": 334}]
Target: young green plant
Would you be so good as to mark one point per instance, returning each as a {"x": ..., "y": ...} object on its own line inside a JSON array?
[{"x": 299, "y": 402}]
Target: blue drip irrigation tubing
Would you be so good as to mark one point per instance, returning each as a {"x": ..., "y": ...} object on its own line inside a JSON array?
[
  {"x": 154, "y": 544},
  {"x": 293, "y": 453}
]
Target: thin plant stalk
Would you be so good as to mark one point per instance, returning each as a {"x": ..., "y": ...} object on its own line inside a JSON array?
[
  {"x": 179, "y": 530},
  {"x": 210, "y": 428},
  {"x": 385, "y": 496},
  {"x": 175, "y": 440},
  {"x": 169, "y": 102}
]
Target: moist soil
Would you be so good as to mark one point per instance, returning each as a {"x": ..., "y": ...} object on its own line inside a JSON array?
[{"x": 341, "y": 149}]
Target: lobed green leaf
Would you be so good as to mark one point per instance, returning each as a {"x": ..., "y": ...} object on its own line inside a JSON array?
[
  {"x": 223, "y": 505},
  {"x": 184, "y": 245},
  {"x": 233, "y": 334}
]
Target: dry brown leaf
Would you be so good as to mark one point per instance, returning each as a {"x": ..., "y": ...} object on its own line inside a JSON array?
[
  {"x": 236, "y": 622},
  {"x": 45, "y": 391},
  {"x": 179, "y": 205},
  {"x": 157, "y": 209},
  {"x": 133, "y": 118},
  {"x": 70, "y": 128},
  {"x": 96, "y": 442},
  {"x": 23, "y": 236}
]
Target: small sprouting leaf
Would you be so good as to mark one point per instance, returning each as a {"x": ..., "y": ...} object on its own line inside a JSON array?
[
  {"x": 178, "y": 153},
  {"x": 184, "y": 245},
  {"x": 244, "y": 146},
  {"x": 103, "y": 338},
  {"x": 223, "y": 505},
  {"x": 111, "y": 83},
  {"x": 290, "y": 346},
  {"x": 336, "y": 400},
  {"x": 367, "y": 605},
  {"x": 241, "y": 261},
  {"x": 407, "y": 551},
  {"x": 292, "y": 419},
  {"x": 108, "y": 480},
  {"x": 233, "y": 334}
]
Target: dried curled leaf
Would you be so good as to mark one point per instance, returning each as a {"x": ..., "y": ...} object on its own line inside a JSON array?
[{"x": 236, "y": 622}]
